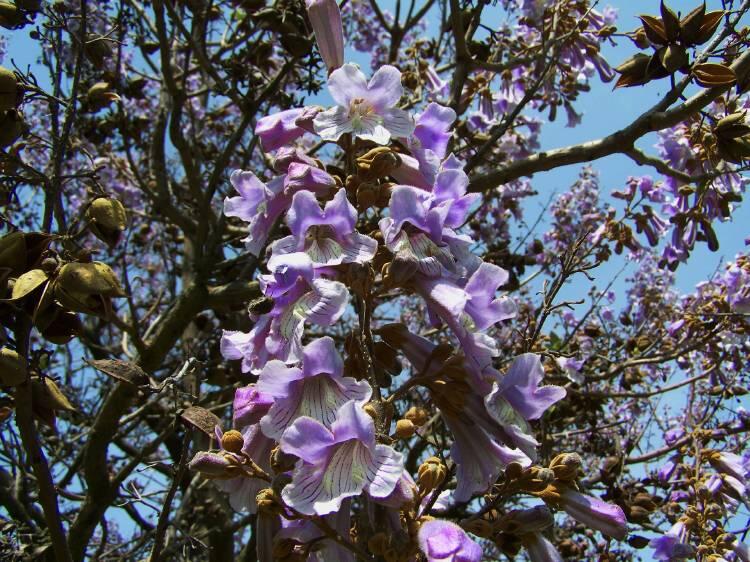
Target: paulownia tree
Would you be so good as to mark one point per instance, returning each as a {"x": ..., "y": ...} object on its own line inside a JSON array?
[{"x": 275, "y": 285}]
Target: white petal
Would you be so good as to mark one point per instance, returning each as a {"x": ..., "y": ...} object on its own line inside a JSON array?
[
  {"x": 399, "y": 122},
  {"x": 332, "y": 123}
]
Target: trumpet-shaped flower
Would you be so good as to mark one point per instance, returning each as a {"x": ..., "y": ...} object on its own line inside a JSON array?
[
  {"x": 316, "y": 390},
  {"x": 338, "y": 463},
  {"x": 367, "y": 110},
  {"x": 261, "y": 204},
  {"x": 443, "y": 541},
  {"x": 327, "y": 235},
  {"x": 299, "y": 295}
]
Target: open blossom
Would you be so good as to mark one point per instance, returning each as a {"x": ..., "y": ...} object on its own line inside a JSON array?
[
  {"x": 421, "y": 226},
  {"x": 317, "y": 389},
  {"x": 673, "y": 545},
  {"x": 299, "y": 295},
  {"x": 327, "y": 235},
  {"x": 367, "y": 110},
  {"x": 262, "y": 204},
  {"x": 443, "y": 541},
  {"x": 338, "y": 463}
]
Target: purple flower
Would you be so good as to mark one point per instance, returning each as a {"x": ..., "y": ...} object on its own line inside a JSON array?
[
  {"x": 429, "y": 143},
  {"x": 540, "y": 549},
  {"x": 328, "y": 235},
  {"x": 730, "y": 464},
  {"x": 325, "y": 18},
  {"x": 339, "y": 462},
  {"x": 595, "y": 513},
  {"x": 520, "y": 389},
  {"x": 317, "y": 390},
  {"x": 672, "y": 545},
  {"x": 469, "y": 310},
  {"x": 479, "y": 443},
  {"x": 249, "y": 405},
  {"x": 305, "y": 532},
  {"x": 278, "y": 129},
  {"x": 443, "y": 541},
  {"x": 366, "y": 110},
  {"x": 299, "y": 295},
  {"x": 261, "y": 204}
]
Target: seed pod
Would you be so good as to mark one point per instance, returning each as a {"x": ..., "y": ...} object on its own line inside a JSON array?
[
  {"x": 12, "y": 367},
  {"x": 9, "y": 94},
  {"x": 100, "y": 95},
  {"x": 107, "y": 219},
  {"x": 87, "y": 287},
  {"x": 11, "y": 128}
]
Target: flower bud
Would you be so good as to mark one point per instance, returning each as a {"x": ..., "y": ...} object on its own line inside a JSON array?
[
  {"x": 281, "y": 461},
  {"x": 566, "y": 465},
  {"x": 416, "y": 415},
  {"x": 431, "y": 474},
  {"x": 232, "y": 441},
  {"x": 267, "y": 501},
  {"x": 404, "y": 429},
  {"x": 325, "y": 18},
  {"x": 12, "y": 367},
  {"x": 107, "y": 219},
  {"x": 212, "y": 465}
]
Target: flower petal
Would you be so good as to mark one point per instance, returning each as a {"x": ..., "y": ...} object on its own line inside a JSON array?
[
  {"x": 307, "y": 439},
  {"x": 346, "y": 84},
  {"x": 384, "y": 471},
  {"x": 333, "y": 123},
  {"x": 385, "y": 89}
]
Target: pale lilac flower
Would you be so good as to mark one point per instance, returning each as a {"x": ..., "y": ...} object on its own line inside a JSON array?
[
  {"x": 329, "y": 236},
  {"x": 672, "y": 545},
  {"x": 279, "y": 129},
  {"x": 316, "y": 390},
  {"x": 338, "y": 463},
  {"x": 595, "y": 513},
  {"x": 366, "y": 110},
  {"x": 249, "y": 406},
  {"x": 481, "y": 448},
  {"x": 469, "y": 309},
  {"x": 443, "y": 541},
  {"x": 540, "y": 549},
  {"x": 742, "y": 551},
  {"x": 520, "y": 388},
  {"x": 518, "y": 398},
  {"x": 304, "y": 532},
  {"x": 300, "y": 295},
  {"x": 261, "y": 204},
  {"x": 730, "y": 464},
  {"x": 429, "y": 143},
  {"x": 325, "y": 18}
]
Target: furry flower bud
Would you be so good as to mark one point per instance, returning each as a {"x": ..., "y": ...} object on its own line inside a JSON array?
[
  {"x": 431, "y": 474},
  {"x": 232, "y": 441}
]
